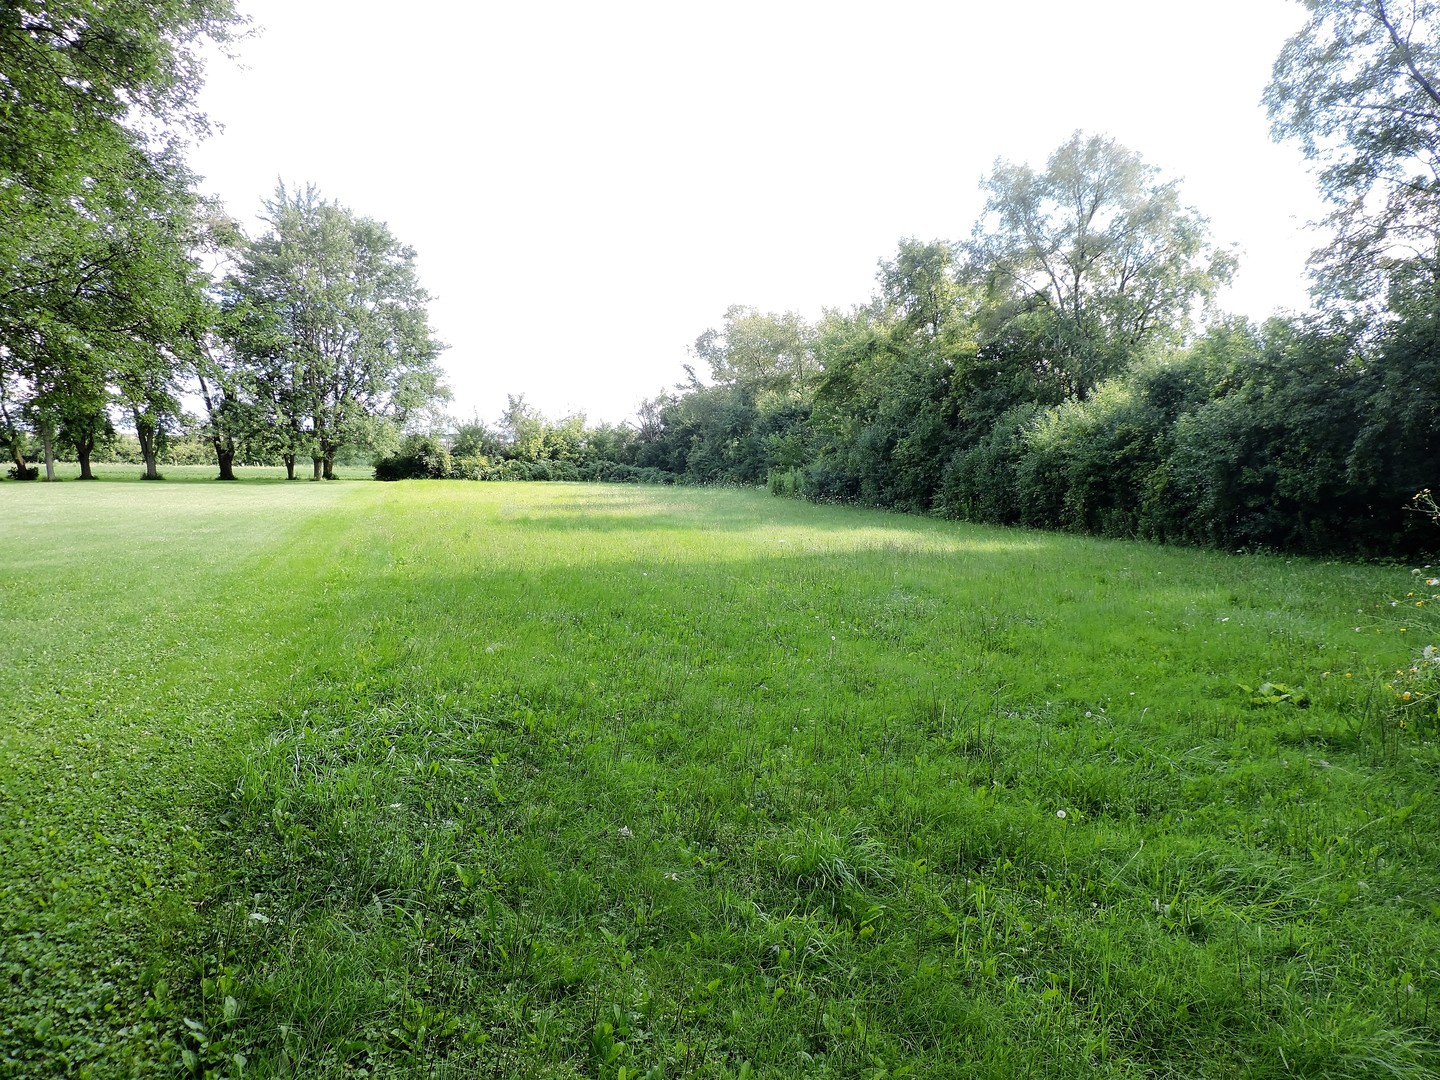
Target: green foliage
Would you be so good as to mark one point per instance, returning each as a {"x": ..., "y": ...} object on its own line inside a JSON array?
[
  {"x": 1359, "y": 88},
  {"x": 420, "y": 457},
  {"x": 1093, "y": 259},
  {"x": 97, "y": 291},
  {"x": 327, "y": 312}
]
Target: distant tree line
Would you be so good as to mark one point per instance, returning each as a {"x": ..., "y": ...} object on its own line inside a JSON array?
[
  {"x": 124, "y": 294},
  {"x": 1063, "y": 366}
]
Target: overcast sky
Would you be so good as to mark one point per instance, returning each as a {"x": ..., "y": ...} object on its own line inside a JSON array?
[{"x": 590, "y": 185}]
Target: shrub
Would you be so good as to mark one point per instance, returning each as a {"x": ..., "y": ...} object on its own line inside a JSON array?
[
  {"x": 787, "y": 483},
  {"x": 420, "y": 457}
]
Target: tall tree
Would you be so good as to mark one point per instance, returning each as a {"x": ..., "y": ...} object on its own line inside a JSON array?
[
  {"x": 1359, "y": 88},
  {"x": 329, "y": 304},
  {"x": 1094, "y": 258},
  {"x": 762, "y": 354},
  {"x": 95, "y": 100}
]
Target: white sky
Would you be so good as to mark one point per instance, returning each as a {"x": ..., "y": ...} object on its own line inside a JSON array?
[{"x": 590, "y": 185}]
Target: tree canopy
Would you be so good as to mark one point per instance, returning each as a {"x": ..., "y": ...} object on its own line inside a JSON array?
[
  {"x": 1094, "y": 256},
  {"x": 1359, "y": 89},
  {"x": 327, "y": 310}
]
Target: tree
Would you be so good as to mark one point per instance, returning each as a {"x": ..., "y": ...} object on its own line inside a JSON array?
[
  {"x": 94, "y": 103},
  {"x": 1359, "y": 88},
  {"x": 328, "y": 308},
  {"x": 762, "y": 354},
  {"x": 1093, "y": 259}
]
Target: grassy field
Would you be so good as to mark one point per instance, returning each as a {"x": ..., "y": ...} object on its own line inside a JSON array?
[{"x": 557, "y": 781}]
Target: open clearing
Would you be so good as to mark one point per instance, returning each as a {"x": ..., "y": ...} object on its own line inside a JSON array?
[{"x": 449, "y": 779}]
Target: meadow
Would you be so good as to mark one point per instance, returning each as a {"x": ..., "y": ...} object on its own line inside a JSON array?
[{"x": 453, "y": 779}]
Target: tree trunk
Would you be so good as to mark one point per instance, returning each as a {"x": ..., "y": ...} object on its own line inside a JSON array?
[
  {"x": 47, "y": 437},
  {"x": 289, "y": 466},
  {"x": 147, "y": 451},
  {"x": 145, "y": 434},
  {"x": 225, "y": 455},
  {"x": 329, "y": 465},
  {"x": 317, "y": 463},
  {"x": 17, "y": 456},
  {"x": 82, "y": 451}
]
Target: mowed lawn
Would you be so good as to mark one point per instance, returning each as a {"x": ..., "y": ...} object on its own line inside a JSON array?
[{"x": 458, "y": 779}]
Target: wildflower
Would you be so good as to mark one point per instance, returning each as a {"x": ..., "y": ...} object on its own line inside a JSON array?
[
  {"x": 1060, "y": 814},
  {"x": 1347, "y": 674},
  {"x": 625, "y": 833},
  {"x": 1405, "y": 696}
]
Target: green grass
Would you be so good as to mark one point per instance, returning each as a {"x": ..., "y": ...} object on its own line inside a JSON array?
[{"x": 556, "y": 780}]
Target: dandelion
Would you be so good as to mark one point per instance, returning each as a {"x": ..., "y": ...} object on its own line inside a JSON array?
[
  {"x": 1060, "y": 814},
  {"x": 1347, "y": 674}
]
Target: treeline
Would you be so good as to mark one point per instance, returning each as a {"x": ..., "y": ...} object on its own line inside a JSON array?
[
  {"x": 525, "y": 445},
  {"x": 129, "y": 299},
  {"x": 1299, "y": 434},
  {"x": 1063, "y": 368}
]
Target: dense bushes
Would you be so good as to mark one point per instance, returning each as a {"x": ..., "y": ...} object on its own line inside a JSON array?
[
  {"x": 1298, "y": 436},
  {"x": 425, "y": 457}
]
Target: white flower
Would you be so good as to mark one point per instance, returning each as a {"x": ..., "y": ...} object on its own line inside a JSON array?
[
  {"x": 1060, "y": 814},
  {"x": 625, "y": 833}
]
